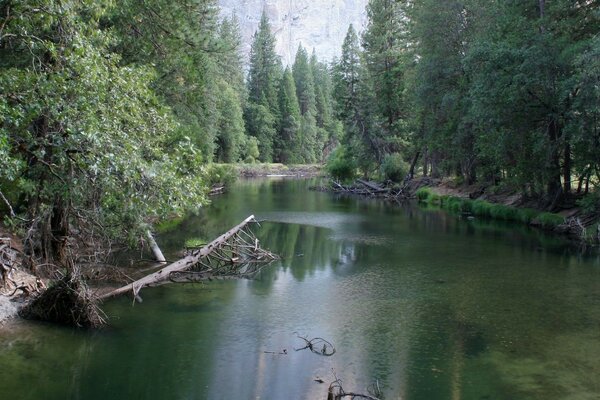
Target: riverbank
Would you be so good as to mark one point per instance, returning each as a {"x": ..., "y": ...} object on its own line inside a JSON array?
[{"x": 478, "y": 201}]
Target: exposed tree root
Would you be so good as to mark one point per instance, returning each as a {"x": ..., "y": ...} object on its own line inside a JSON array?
[{"x": 68, "y": 302}]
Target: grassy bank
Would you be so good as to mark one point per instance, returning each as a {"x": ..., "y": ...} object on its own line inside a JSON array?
[{"x": 484, "y": 209}]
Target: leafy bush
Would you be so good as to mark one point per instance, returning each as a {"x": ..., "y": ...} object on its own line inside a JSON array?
[
  {"x": 423, "y": 194},
  {"x": 221, "y": 174},
  {"x": 340, "y": 165},
  {"x": 590, "y": 202},
  {"x": 252, "y": 152},
  {"x": 394, "y": 167}
]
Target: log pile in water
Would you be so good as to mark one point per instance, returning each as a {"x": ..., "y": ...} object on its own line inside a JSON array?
[{"x": 387, "y": 190}]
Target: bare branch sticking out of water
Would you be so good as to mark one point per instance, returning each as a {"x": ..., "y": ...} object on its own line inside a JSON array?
[
  {"x": 337, "y": 392},
  {"x": 318, "y": 346}
]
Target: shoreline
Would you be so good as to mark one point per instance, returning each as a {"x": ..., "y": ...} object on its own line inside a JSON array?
[{"x": 475, "y": 201}]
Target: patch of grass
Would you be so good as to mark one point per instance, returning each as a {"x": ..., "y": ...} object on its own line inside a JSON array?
[
  {"x": 458, "y": 205},
  {"x": 195, "y": 242},
  {"x": 549, "y": 220},
  {"x": 526, "y": 215},
  {"x": 484, "y": 209},
  {"x": 481, "y": 208},
  {"x": 423, "y": 194},
  {"x": 503, "y": 212}
]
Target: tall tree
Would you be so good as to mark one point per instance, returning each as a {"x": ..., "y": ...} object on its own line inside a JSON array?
[
  {"x": 305, "y": 90},
  {"x": 263, "y": 78},
  {"x": 288, "y": 143},
  {"x": 440, "y": 86},
  {"x": 305, "y": 82},
  {"x": 87, "y": 137},
  {"x": 180, "y": 40},
  {"x": 384, "y": 42}
]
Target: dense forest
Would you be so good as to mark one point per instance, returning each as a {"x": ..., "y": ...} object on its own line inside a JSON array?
[
  {"x": 115, "y": 114},
  {"x": 503, "y": 92}
]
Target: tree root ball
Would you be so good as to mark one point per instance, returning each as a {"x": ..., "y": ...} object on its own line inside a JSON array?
[{"x": 68, "y": 302}]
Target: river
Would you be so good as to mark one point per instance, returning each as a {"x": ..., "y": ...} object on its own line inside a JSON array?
[{"x": 427, "y": 304}]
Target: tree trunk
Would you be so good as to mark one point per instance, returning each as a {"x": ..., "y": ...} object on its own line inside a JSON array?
[
  {"x": 567, "y": 169},
  {"x": 554, "y": 187},
  {"x": 413, "y": 164},
  {"x": 59, "y": 233},
  {"x": 158, "y": 255}
]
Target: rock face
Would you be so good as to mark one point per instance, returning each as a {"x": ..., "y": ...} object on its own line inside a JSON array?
[{"x": 318, "y": 24}]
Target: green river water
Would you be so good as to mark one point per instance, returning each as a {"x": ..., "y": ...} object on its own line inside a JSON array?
[{"x": 431, "y": 305}]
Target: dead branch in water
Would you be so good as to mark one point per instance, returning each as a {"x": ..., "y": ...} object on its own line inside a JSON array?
[
  {"x": 318, "y": 346},
  {"x": 236, "y": 253},
  {"x": 337, "y": 392}
]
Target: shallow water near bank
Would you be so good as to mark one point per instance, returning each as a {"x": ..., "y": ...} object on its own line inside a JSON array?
[{"x": 430, "y": 305}]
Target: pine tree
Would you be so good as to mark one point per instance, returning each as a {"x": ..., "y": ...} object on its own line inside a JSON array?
[
  {"x": 305, "y": 83},
  {"x": 265, "y": 67},
  {"x": 384, "y": 43},
  {"x": 264, "y": 76},
  {"x": 288, "y": 144},
  {"x": 230, "y": 59}
]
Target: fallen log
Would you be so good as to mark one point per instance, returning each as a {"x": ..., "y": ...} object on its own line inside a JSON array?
[
  {"x": 372, "y": 186},
  {"x": 228, "y": 264}
]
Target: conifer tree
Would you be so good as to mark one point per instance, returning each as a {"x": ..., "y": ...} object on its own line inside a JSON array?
[
  {"x": 262, "y": 110},
  {"x": 288, "y": 144}
]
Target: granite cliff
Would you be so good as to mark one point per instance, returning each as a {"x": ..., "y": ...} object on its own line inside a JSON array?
[{"x": 318, "y": 24}]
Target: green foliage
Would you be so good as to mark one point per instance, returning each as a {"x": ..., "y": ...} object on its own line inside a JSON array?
[
  {"x": 423, "y": 194},
  {"x": 340, "y": 166},
  {"x": 549, "y": 220},
  {"x": 195, "y": 243},
  {"x": 221, "y": 174},
  {"x": 501, "y": 92},
  {"x": 231, "y": 130},
  {"x": 252, "y": 152},
  {"x": 590, "y": 203},
  {"x": 288, "y": 138},
  {"x": 87, "y": 134},
  {"x": 482, "y": 208},
  {"x": 169, "y": 224},
  {"x": 394, "y": 167},
  {"x": 260, "y": 121}
]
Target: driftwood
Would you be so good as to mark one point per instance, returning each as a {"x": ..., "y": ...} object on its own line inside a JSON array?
[
  {"x": 318, "y": 346},
  {"x": 337, "y": 392},
  {"x": 373, "y": 186},
  {"x": 233, "y": 254}
]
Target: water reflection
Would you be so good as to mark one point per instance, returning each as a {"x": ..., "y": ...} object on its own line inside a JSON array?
[{"x": 431, "y": 305}]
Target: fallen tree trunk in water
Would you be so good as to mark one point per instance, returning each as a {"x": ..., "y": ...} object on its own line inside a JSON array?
[{"x": 231, "y": 254}]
